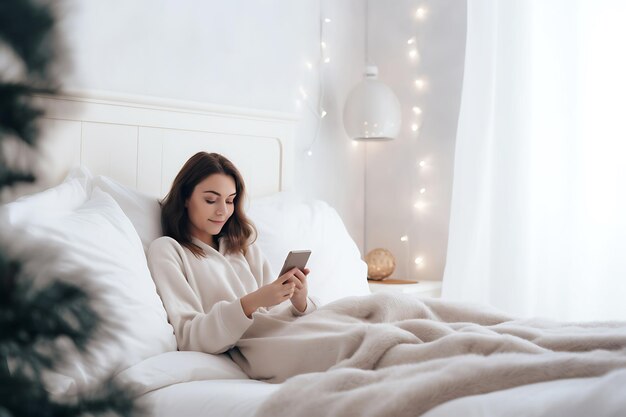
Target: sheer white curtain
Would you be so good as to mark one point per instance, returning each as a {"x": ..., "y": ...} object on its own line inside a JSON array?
[{"x": 538, "y": 219}]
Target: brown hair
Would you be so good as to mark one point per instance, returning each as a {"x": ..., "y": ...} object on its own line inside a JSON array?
[{"x": 238, "y": 233}]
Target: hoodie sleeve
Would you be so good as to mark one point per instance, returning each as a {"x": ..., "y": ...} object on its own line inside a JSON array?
[
  {"x": 213, "y": 331},
  {"x": 264, "y": 275}
]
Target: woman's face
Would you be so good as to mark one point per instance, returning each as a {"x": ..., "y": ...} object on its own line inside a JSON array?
[{"x": 210, "y": 205}]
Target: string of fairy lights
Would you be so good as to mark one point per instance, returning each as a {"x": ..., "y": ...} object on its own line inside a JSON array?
[
  {"x": 420, "y": 85},
  {"x": 323, "y": 59}
]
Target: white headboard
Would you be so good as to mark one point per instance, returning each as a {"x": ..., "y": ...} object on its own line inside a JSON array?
[{"x": 143, "y": 141}]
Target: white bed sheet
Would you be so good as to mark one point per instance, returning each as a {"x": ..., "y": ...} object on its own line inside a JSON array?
[
  {"x": 584, "y": 397},
  {"x": 581, "y": 397},
  {"x": 224, "y": 398}
]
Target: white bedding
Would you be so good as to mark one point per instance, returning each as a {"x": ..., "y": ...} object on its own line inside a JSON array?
[
  {"x": 198, "y": 384},
  {"x": 581, "y": 397},
  {"x": 223, "y": 398},
  {"x": 203, "y": 396},
  {"x": 195, "y": 384}
]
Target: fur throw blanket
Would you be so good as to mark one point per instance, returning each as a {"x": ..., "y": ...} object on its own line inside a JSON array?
[{"x": 391, "y": 354}]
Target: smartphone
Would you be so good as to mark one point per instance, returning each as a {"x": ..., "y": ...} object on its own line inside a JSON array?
[{"x": 295, "y": 259}]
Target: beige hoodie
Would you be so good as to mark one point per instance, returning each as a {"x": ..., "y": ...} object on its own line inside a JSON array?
[{"x": 202, "y": 295}]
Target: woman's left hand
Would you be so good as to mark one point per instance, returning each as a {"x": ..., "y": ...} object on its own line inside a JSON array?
[{"x": 300, "y": 293}]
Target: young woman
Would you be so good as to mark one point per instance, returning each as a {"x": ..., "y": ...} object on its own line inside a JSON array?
[
  {"x": 220, "y": 295},
  {"x": 211, "y": 276}
]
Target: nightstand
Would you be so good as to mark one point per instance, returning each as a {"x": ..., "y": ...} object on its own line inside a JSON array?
[{"x": 427, "y": 289}]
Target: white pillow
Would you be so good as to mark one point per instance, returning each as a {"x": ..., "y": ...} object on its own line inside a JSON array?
[
  {"x": 176, "y": 367},
  {"x": 94, "y": 245},
  {"x": 285, "y": 224},
  {"x": 49, "y": 203},
  {"x": 142, "y": 210},
  {"x": 82, "y": 175}
]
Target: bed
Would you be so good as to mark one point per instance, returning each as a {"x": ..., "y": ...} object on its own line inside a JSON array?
[{"x": 113, "y": 157}]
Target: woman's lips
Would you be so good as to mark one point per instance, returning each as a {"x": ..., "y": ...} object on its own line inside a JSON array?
[{"x": 217, "y": 221}]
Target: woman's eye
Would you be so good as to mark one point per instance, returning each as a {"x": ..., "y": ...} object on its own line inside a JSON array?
[
  {"x": 229, "y": 202},
  {"x": 210, "y": 202}
]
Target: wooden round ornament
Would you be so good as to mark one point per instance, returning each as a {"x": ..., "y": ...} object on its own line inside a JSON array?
[{"x": 380, "y": 263}]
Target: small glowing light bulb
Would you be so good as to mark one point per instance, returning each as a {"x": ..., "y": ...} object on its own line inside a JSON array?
[
  {"x": 323, "y": 114},
  {"x": 422, "y": 190},
  {"x": 414, "y": 127},
  {"x": 327, "y": 20},
  {"x": 309, "y": 152},
  {"x": 413, "y": 53},
  {"x": 419, "y": 260},
  {"x": 355, "y": 143},
  {"x": 303, "y": 93},
  {"x": 419, "y": 205},
  {"x": 309, "y": 65},
  {"x": 420, "y": 13},
  {"x": 419, "y": 83},
  {"x": 323, "y": 45},
  {"x": 411, "y": 41},
  {"x": 327, "y": 60},
  {"x": 422, "y": 164},
  {"x": 404, "y": 238},
  {"x": 417, "y": 110}
]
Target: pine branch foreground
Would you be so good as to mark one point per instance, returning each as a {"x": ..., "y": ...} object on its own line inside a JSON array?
[{"x": 34, "y": 317}]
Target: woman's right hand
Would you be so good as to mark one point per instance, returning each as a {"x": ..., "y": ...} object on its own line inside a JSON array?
[{"x": 269, "y": 295}]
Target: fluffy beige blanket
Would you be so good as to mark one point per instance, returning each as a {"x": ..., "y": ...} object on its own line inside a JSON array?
[{"x": 387, "y": 354}]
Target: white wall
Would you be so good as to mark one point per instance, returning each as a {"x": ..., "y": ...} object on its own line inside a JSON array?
[
  {"x": 252, "y": 54},
  {"x": 394, "y": 176},
  {"x": 241, "y": 53}
]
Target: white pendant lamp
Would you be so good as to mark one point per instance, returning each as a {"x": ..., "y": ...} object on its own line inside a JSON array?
[{"x": 372, "y": 110}]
